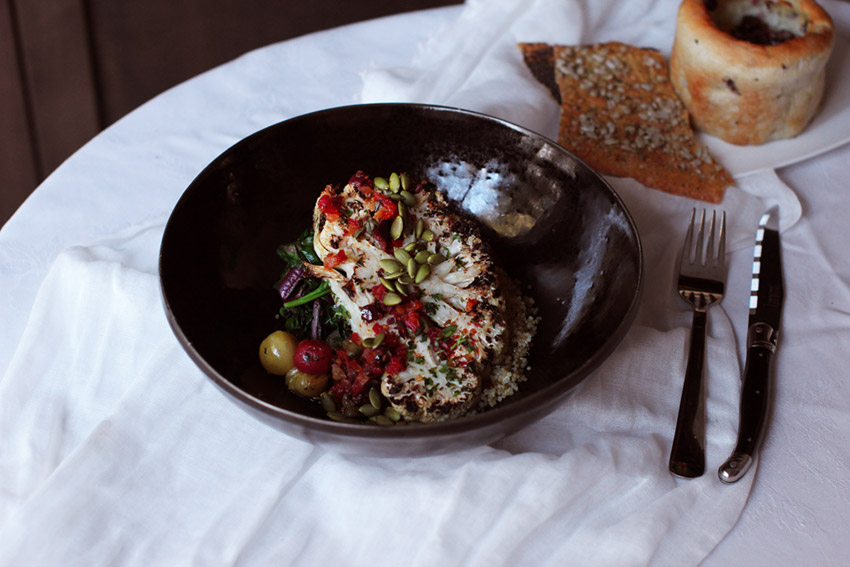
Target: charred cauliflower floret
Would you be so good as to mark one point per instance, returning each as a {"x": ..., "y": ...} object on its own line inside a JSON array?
[{"x": 422, "y": 293}]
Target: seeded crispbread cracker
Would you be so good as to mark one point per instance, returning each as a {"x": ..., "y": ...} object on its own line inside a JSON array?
[{"x": 620, "y": 114}]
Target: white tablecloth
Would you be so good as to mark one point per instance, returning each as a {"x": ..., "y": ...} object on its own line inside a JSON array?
[{"x": 86, "y": 242}]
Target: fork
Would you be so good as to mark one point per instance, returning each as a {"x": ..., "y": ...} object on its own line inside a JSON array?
[{"x": 701, "y": 283}]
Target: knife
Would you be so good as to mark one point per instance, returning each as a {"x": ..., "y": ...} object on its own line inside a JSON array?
[{"x": 766, "y": 295}]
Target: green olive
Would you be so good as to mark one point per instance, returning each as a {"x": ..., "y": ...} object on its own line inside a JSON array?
[
  {"x": 277, "y": 351},
  {"x": 307, "y": 385}
]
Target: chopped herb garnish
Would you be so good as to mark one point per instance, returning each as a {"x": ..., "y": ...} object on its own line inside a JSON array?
[
  {"x": 448, "y": 331},
  {"x": 460, "y": 341}
]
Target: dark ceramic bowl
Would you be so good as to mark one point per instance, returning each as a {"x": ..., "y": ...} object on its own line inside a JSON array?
[{"x": 555, "y": 225}]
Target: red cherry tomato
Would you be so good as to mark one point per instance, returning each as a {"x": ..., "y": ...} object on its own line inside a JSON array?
[{"x": 313, "y": 357}]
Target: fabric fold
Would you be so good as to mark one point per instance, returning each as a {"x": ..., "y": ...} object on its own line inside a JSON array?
[{"x": 157, "y": 467}]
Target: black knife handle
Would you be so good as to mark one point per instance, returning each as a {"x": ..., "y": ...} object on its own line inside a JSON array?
[
  {"x": 755, "y": 397},
  {"x": 687, "y": 455}
]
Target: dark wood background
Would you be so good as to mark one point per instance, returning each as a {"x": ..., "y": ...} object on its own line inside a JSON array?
[{"x": 69, "y": 68}]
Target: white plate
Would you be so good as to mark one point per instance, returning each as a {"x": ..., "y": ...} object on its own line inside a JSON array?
[{"x": 829, "y": 129}]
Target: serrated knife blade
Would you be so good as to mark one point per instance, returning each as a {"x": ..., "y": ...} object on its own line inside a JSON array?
[{"x": 766, "y": 296}]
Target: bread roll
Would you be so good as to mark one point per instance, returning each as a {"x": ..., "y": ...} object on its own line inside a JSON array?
[{"x": 751, "y": 71}]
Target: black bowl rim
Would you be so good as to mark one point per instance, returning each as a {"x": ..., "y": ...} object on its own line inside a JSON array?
[{"x": 426, "y": 430}]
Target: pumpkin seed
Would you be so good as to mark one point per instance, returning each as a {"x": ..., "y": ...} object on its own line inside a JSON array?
[
  {"x": 435, "y": 259},
  {"x": 400, "y": 288},
  {"x": 402, "y": 210},
  {"x": 422, "y": 273},
  {"x": 395, "y": 182},
  {"x": 405, "y": 279},
  {"x": 368, "y": 342},
  {"x": 408, "y": 198},
  {"x": 380, "y": 183},
  {"x": 392, "y": 413},
  {"x": 352, "y": 349},
  {"x": 383, "y": 420},
  {"x": 392, "y": 298},
  {"x": 420, "y": 226},
  {"x": 394, "y": 275},
  {"x": 427, "y": 235},
  {"x": 402, "y": 256},
  {"x": 395, "y": 196},
  {"x": 405, "y": 181},
  {"x": 351, "y": 411},
  {"x": 328, "y": 403},
  {"x": 422, "y": 256},
  {"x": 397, "y": 228},
  {"x": 378, "y": 340},
  {"x": 375, "y": 398},
  {"x": 369, "y": 410},
  {"x": 389, "y": 265},
  {"x": 410, "y": 247},
  {"x": 412, "y": 266},
  {"x": 336, "y": 416},
  {"x": 387, "y": 284}
]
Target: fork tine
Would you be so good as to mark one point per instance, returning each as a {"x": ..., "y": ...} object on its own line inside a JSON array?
[
  {"x": 710, "y": 257},
  {"x": 699, "y": 253},
  {"x": 721, "y": 249},
  {"x": 687, "y": 249}
]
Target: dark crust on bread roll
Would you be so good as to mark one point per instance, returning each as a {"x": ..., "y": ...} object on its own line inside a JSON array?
[{"x": 745, "y": 92}]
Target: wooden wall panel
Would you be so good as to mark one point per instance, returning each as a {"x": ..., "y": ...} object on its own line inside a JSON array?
[
  {"x": 18, "y": 172},
  {"x": 144, "y": 48},
  {"x": 57, "y": 65},
  {"x": 70, "y": 67}
]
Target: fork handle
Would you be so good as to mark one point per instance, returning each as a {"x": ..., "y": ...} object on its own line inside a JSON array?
[{"x": 687, "y": 456}]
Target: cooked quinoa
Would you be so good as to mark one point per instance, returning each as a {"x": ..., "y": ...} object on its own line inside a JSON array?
[{"x": 510, "y": 367}]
